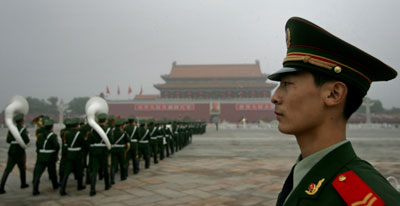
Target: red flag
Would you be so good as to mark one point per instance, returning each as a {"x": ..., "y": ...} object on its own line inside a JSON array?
[
  {"x": 129, "y": 90},
  {"x": 141, "y": 90},
  {"x": 107, "y": 90},
  {"x": 118, "y": 92}
]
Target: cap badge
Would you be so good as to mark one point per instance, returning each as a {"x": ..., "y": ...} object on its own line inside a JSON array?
[
  {"x": 288, "y": 38},
  {"x": 312, "y": 188}
]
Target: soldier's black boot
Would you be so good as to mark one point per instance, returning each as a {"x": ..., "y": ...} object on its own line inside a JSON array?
[
  {"x": 136, "y": 166},
  {"x": 112, "y": 175},
  {"x": 80, "y": 184},
  {"x": 93, "y": 186},
  {"x": 35, "y": 188},
  {"x": 3, "y": 182},
  {"x": 23, "y": 180},
  {"x": 63, "y": 185},
  {"x": 107, "y": 183},
  {"x": 147, "y": 162}
]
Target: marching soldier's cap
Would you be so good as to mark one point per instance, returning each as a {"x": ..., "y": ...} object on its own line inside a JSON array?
[
  {"x": 81, "y": 121},
  {"x": 142, "y": 122},
  {"x": 119, "y": 122},
  {"x": 74, "y": 121},
  {"x": 67, "y": 122},
  {"x": 48, "y": 122},
  {"x": 18, "y": 117},
  {"x": 131, "y": 118},
  {"x": 311, "y": 48},
  {"x": 110, "y": 117},
  {"x": 102, "y": 116}
]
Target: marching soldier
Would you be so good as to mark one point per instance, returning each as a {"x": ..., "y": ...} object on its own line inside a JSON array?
[
  {"x": 74, "y": 144},
  {"x": 63, "y": 132},
  {"x": 170, "y": 137},
  {"x": 132, "y": 131},
  {"x": 47, "y": 148},
  {"x": 120, "y": 148},
  {"x": 85, "y": 130},
  {"x": 144, "y": 147},
  {"x": 153, "y": 140},
  {"x": 98, "y": 155},
  {"x": 160, "y": 134},
  {"x": 16, "y": 154}
]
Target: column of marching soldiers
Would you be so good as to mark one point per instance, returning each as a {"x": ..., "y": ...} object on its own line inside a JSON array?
[{"x": 85, "y": 155}]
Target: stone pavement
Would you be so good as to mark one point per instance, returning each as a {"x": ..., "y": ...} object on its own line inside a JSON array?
[{"x": 228, "y": 167}]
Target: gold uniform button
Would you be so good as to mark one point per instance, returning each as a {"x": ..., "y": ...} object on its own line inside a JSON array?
[
  {"x": 342, "y": 178},
  {"x": 337, "y": 69}
]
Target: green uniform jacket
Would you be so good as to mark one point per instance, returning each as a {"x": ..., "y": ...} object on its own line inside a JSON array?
[
  {"x": 75, "y": 142},
  {"x": 130, "y": 129},
  {"x": 47, "y": 147},
  {"x": 95, "y": 138},
  {"x": 14, "y": 146},
  {"x": 340, "y": 160},
  {"x": 119, "y": 141}
]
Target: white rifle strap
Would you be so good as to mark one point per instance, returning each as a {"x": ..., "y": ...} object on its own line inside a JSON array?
[
  {"x": 76, "y": 136},
  {"x": 147, "y": 131},
  {"x": 123, "y": 134}
]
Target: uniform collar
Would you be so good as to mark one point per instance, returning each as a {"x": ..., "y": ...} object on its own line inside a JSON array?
[{"x": 323, "y": 171}]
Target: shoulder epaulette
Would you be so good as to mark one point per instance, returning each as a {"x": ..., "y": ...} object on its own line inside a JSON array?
[{"x": 355, "y": 191}]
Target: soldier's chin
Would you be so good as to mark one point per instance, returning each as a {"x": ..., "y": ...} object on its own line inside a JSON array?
[{"x": 284, "y": 130}]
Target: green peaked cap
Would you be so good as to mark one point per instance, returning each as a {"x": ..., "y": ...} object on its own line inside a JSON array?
[
  {"x": 18, "y": 117},
  {"x": 311, "y": 48}
]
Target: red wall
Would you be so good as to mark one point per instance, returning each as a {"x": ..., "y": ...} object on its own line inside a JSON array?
[{"x": 201, "y": 112}]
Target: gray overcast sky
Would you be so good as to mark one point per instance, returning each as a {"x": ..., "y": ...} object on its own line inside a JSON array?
[{"x": 77, "y": 47}]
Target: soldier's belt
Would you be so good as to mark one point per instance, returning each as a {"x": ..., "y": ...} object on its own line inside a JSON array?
[
  {"x": 133, "y": 140},
  {"x": 97, "y": 145},
  {"x": 47, "y": 150},
  {"x": 143, "y": 141},
  {"x": 74, "y": 149},
  {"x": 153, "y": 138},
  {"x": 119, "y": 145}
]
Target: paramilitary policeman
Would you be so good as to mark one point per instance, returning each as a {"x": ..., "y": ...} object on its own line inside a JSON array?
[
  {"x": 144, "y": 147},
  {"x": 98, "y": 155},
  {"x": 63, "y": 133},
  {"x": 325, "y": 79},
  {"x": 153, "y": 139},
  {"x": 47, "y": 148},
  {"x": 16, "y": 154},
  {"x": 120, "y": 148},
  {"x": 74, "y": 144},
  {"x": 133, "y": 135}
]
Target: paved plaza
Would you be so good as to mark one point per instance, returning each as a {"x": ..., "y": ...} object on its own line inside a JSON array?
[{"x": 244, "y": 166}]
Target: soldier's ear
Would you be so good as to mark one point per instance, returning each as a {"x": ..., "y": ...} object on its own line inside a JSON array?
[{"x": 334, "y": 93}]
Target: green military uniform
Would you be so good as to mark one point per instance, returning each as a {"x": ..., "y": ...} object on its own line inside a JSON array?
[
  {"x": 47, "y": 148},
  {"x": 153, "y": 140},
  {"x": 98, "y": 156},
  {"x": 85, "y": 130},
  {"x": 16, "y": 154},
  {"x": 169, "y": 133},
  {"x": 332, "y": 167},
  {"x": 74, "y": 144},
  {"x": 144, "y": 147},
  {"x": 161, "y": 140},
  {"x": 63, "y": 132},
  {"x": 132, "y": 131},
  {"x": 120, "y": 146},
  {"x": 333, "y": 175}
]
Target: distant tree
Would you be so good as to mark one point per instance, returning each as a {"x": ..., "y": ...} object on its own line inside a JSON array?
[
  {"x": 77, "y": 105},
  {"x": 40, "y": 106},
  {"x": 53, "y": 101}
]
